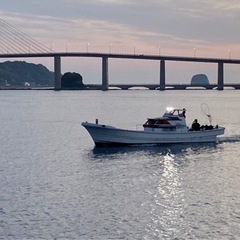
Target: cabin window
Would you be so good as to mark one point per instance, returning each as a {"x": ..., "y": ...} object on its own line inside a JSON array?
[
  {"x": 150, "y": 122},
  {"x": 156, "y": 123},
  {"x": 162, "y": 121}
]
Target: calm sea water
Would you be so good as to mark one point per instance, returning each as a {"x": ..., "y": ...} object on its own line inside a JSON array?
[{"x": 56, "y": 185}]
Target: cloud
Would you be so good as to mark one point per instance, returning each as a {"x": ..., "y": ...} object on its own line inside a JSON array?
[{"x": 185, "y": 19}]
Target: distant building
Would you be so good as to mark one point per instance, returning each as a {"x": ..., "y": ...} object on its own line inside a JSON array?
[{"x": 200, "y": 79}]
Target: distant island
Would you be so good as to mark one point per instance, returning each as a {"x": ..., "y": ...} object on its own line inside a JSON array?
[
  {"x": 20, "y": 74},
  {"x": 199, "y": 79},
  {"x": 23, "y": 74},
  {"x": 72, "y": 80}
]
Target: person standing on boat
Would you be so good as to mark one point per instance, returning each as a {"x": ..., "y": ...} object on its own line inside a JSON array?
[
  {"x": 184, "y": 112},
  {"x": 195, "y": 125}
]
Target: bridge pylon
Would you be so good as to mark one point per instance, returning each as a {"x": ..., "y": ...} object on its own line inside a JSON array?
[
  {"x": 57, "y": 73},
  {"x": 104, "y": 73},
  {"x": 162, "y": 75},
  {"x": 220, "y": 76}
]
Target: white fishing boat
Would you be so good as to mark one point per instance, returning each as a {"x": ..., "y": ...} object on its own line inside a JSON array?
[{"x": 170, "y": 128}]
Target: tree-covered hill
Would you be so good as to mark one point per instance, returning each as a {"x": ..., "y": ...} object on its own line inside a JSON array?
[{"x": 18, "y": 73}]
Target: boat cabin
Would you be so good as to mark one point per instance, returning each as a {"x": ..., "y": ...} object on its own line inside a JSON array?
[{"x": 172, "y": 119}]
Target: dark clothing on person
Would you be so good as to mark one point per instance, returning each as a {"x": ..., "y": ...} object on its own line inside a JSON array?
[
  {"x": 184, "y": 113},
  {"x": 195, "y": 125}
]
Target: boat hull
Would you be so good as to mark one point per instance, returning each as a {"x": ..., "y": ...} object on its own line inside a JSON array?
[{"x": 108, "y": 135}]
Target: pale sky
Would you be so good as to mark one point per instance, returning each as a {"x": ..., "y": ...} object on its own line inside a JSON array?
[{"x": 206, "y": 28}]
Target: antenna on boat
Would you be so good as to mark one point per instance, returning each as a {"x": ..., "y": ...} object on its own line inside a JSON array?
[{"x": 205, "y": 110}]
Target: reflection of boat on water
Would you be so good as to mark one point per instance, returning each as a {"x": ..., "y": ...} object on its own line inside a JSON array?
[
  {"x": 170, "y": 128},
  {"x": 165, "y": 149}
]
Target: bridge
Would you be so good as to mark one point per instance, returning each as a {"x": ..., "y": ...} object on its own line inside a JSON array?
[{"x": 16, "y": 44}]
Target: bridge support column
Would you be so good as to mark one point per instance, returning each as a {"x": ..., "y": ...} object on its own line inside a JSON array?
[
  {"x": 220, "y": 76},
  {"x": 162, "y": 75},
  {"x": 105, "y": 73},
  {"x": 57, "y": 73}
]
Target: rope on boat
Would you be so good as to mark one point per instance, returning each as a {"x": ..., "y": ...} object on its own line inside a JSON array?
[{"x": 205, "y": 110}]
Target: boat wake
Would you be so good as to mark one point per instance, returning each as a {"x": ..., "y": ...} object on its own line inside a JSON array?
[{"x": 233, "y": 138}]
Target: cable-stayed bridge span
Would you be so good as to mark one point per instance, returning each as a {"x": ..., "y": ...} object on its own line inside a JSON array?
[{"x": 15, "y": 44}]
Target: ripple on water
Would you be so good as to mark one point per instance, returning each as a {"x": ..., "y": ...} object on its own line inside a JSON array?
[{"x": 56, "y": 185}]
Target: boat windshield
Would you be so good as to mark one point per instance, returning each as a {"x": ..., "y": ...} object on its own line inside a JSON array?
[{"x": 175, "y": 112}]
